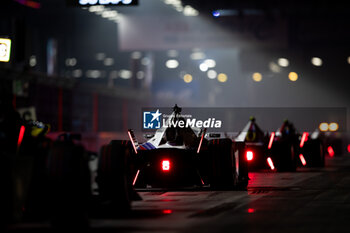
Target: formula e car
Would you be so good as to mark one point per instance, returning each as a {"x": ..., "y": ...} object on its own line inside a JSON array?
[
  {"x": 311, "y": 149},
  {"x": 173, "y": 158},
  {"x": 256, "y": 145},
  {"x": 283, "y": 148}
]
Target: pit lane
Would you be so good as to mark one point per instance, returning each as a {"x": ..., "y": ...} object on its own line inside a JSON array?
[{"x": 310, "y": 200}]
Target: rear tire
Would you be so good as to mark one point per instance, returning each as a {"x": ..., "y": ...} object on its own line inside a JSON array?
[
  {"x": 284, "y": 156},
  {"x": 69, "y": 185},
  {"x": 314, "y": 153},
  {"x": 222, "y": 175},
  {"x": 242, "y": 171},
  {"x": 113, "y": 179}
]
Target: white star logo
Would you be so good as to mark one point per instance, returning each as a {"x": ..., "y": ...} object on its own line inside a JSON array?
[{"x": 156, "y": 115}]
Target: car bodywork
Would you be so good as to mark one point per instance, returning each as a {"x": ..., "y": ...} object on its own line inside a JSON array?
[
  {"x": 256, "y": 145},
  {"x": 180, "y": 157}
]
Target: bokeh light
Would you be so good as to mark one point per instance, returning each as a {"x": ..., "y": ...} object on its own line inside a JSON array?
[
  {"x": 222, "y": 77},
  {"x": 257, "y": 77},
  {"x": 293, "y": 76}
]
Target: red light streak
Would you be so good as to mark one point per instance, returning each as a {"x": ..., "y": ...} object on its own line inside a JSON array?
[
  {"x": 304, "y": 139},
  {"x": 132, "y": 142},
  {"x": 135, "y": 179},
  {"x": 302, "y": 159},
  {"x": 200, "y": 143},
  {"x": 270, "y": 162},
  {"x": 271, "y": 140},
  {"x": 21, "y": 135}
]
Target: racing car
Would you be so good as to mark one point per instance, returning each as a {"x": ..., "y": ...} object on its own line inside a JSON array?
[
  {"x": 173, "y": 158},
  {"x": 256, "y": 144},
  {"x": 312, "y": 149},
  {"x": 283, "y": 148}
]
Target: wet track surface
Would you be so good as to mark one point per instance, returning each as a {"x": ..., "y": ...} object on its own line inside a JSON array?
[{"x": 310, "y": 200}]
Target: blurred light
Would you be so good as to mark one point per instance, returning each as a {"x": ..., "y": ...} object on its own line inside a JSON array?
[
  {"x": 125, "y": 74},
  {"x": 257, "y": 77},
  {"x": 173, "y": 53},
  {"x": 135, "y": 178},
  {"x": 190, "y": 11},
  {"x": 100, "y": 56},
  {"x": 77, "y": 73},
  {"x": 330, "y": 151},
  {"x": 349, "y": 60},
  {"x": 274, "y": 67},
  {"x": 270, "y": 163},
  {"x": 136, "y": 55},
  {"x": 109, "y": 14},
  {"x": 145, "y": 61},
  {"x": 316, "y": 61},
  {"x": 165, "y": 165},
  {"x": 140, "y": 75},
  {"x": 172, "y": 64},
  {"x": 179, "y": 8},
  {"x": 211, "y": 63},
  {"x": 5, "y": 49},
  {"x": 283, "y": 62},
  {"x": 108, "y": 61},
  {"x": 251, "y": 210},
  {"x": 216, "y": 13},
  {"x": 222, "y": 77},
  {"x": 212, "y": 74},
  {"x": 168, "y": 2},
  {"x": 293, "y": 76},
  {"x": 249, "y": 155},
  {"x": 187, "y": 78},
  {"x": 32, "y": 61},
  {"x": 271, "y": 140},
  {"x": 93, "y": 74},
  {"x": 197, "y": 56},
  {"x": 71, "y": 61},
  {"x": 302, "y": 159},
  {"x": 348, "y": 148},
  {"x": 304, "y": 139},
  {"x": 333, "y": 126},
  {"x": 97, "y": 8},
  {"x": 203, "y": 67},
  {"x": 21, "y": 135},
  {"x": 167, "y": 211},
  {"x": 323, "y": 127}
]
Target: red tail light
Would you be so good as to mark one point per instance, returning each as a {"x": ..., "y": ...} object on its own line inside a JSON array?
[
  {"x": 166, "y": 165},
  {"x": 250, "y": 155},
  {"x": 251, "y": 210},
  {"x": 330, "y": 151},
  {"x": 348, "y": 148},
  {"x": 302, "y": 159},
  {"x": 269, "y": 161}
]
